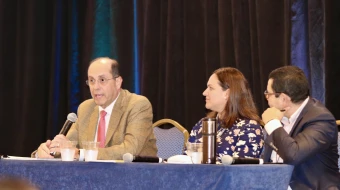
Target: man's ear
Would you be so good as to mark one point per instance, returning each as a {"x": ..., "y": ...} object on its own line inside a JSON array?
[
  {"x": 285, "y": 98},
  {"x": 119, "y": 81}
]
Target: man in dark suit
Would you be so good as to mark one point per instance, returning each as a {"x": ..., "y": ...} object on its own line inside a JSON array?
[{"x": 301, "y": 131}]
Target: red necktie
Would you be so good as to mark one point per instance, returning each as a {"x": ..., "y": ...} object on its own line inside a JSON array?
[{"x": 101, "y": 130}]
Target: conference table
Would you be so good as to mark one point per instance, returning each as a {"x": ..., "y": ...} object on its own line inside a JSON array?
[{"x": 48, "y": 174}]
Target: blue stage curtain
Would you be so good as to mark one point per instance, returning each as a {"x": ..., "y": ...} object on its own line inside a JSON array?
[
  {"x": 307, "y": 44},
  {"x": 57, "y": 67},
  {"x": 103, "y": 35},
  {"x": 75, "y": 68}
]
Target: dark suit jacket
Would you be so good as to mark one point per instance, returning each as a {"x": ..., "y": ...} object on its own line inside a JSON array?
[
  {"x": 311, "y": 147},
  {"x": 130, "y": 128}
]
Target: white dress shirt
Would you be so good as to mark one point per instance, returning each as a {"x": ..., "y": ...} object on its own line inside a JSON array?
[{"x": 108, "y": 111}]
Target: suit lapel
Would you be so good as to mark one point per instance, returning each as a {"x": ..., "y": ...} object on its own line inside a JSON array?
[
  {"x": 116, "y": 115},
  {"x": 295, "y": 127},
  {"x": 92, "y": 126},
  {"x": 298, "y": 120}
]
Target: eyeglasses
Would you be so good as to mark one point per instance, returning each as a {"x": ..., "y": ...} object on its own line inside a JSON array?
[
  {"x": 102, "y": 81},
  {"x": 267, "y": 94}
]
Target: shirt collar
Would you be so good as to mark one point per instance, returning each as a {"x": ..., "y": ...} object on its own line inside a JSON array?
[
  {"x": 109, "y": 108},
  {"x": 295, "y": 115}
]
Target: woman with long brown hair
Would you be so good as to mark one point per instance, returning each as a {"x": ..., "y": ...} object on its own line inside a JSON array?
[{"x": 239, "y": 131}]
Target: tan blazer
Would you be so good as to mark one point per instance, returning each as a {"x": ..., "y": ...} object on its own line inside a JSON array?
[{"x": 130, "y": 128}]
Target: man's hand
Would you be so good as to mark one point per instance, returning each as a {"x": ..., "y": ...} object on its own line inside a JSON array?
[
  {"x": 272, "y": 113},
  {"x": 44, "y": 150},
  {"x": 55, "y": 143}
]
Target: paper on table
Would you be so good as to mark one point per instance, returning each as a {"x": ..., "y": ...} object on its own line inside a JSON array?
[
  {"x": 56, "y": 159},
  {"x": 29, "y": 158},
  {"x": 113, "y": 161}
]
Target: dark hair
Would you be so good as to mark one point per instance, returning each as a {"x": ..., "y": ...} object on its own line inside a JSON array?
[
  {"x": 114, "y": 66},
  {"x": 292, "y": 81},
  {"x": 240, "y": 103}
]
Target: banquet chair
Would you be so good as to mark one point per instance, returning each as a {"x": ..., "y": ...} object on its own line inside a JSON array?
[{"x": 170, "y": 141}]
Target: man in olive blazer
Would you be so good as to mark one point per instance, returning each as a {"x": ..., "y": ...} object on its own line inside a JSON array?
[
  {"x": 126, "y": 126},
  {"x": 130, "y": 128}
]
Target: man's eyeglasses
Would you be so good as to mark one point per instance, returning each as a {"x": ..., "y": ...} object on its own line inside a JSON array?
[
  {"x": 267, "y": 94},
  {"x": 102, "y": 81}
]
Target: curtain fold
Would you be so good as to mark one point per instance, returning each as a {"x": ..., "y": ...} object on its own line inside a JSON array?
[
  {"x": 201, "y": 37},
  {"x": 25, "y": 55},
  {"x": 332, "y": 56},
  {"x": 316, "y": 38}
]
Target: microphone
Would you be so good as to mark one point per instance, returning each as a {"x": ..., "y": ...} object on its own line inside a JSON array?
[
  {"x": 71, "y": 118},
  {"x": 128, "y": 157},
  {"x": 228, "y": 160}
]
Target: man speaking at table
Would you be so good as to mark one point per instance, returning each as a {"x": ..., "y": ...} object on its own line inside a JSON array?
[{"x": 121, "y": 121}]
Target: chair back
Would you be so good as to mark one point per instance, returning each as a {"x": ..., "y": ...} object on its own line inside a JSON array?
[{"x": 171, "y": 141}]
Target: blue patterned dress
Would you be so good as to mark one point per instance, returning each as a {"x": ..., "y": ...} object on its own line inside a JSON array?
[{"x": 243, "y": 139}]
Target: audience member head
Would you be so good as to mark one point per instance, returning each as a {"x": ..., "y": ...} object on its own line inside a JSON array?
[
  {"x": 104, "y": 80},
  {"x": 228, "y": 96},
  {"x": 11, "y": 183}
]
